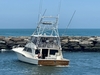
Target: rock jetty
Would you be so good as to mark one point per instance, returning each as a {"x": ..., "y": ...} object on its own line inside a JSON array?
[
  {"x": 10, "y": 42},
  {"x": 68, "y": 43},
  {"x": 81, "y": 43}
]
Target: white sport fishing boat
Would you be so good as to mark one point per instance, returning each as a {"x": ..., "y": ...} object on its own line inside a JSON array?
[{"x": 44, "y": 47}]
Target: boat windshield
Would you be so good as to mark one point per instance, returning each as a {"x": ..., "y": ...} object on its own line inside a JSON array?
[
  {"x": 48, "y": 42},
  {"x": 27, "y": 49}
]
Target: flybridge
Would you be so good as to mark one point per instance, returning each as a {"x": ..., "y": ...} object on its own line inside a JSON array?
[
  {"x": 51, "y": 20},
  {"x": 47, "y": 25}
]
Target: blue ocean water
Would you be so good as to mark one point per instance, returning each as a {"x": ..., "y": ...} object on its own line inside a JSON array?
[
  {"x": 81, "y": 63},
  {"x": 62, "y": 32},
  {"x": 80, "y": 32}
]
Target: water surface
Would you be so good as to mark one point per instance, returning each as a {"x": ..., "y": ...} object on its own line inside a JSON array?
[
  {"x": 62, "y": 32},
  {"x": 81, "y": 63}
]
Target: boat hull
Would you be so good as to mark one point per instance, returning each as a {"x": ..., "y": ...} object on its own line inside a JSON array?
[
  {"x": 43, "y": 62},
  {"x": 26, "y": 59}
]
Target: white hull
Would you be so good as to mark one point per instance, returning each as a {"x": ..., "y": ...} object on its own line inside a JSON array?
[
  {"x": 26, "y": 59},
  {"x": 29, "y": 58},
  {"x": 45, "y": 62}
]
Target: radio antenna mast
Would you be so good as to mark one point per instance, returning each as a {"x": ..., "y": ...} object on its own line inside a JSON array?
[
  {"x": 40, "y": 9},
  {"x": 59, "y": 6}
]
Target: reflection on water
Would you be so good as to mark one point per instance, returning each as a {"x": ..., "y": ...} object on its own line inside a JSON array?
[{"x": 81, "y": 63}]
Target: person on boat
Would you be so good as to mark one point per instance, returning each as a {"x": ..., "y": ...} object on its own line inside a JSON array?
[{"x": 39, "y": 55}]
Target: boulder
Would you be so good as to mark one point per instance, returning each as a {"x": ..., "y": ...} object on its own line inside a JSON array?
[
  {"x": 16, "y": 39},
  {"x": 2, "y": 37}
]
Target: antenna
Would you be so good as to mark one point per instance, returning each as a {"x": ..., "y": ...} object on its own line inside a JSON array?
[
  {"x": 39, "y": 14},
  {"x": 59, "y": 6},
  {"x": 70, "y": 21},
  {"x": 40, "y": 9},
  {"x": 39, "y": 22}
]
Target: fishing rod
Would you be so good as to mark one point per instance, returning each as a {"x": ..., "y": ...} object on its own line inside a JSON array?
[{"x": 70, "y": 21}]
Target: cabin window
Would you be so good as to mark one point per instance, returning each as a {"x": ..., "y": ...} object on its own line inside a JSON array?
[
  {"x": 52, "y": 52},
  {"x": 37, "y": 51},
  {"x": 25, "y": 49},
  {"x": 28, "y": 49}
]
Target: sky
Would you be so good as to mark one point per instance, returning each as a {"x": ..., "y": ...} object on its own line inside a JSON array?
[{"x": 15, "y": 14}]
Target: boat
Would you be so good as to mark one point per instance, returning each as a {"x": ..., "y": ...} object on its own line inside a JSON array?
[{"x": 44, "y": 47}]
